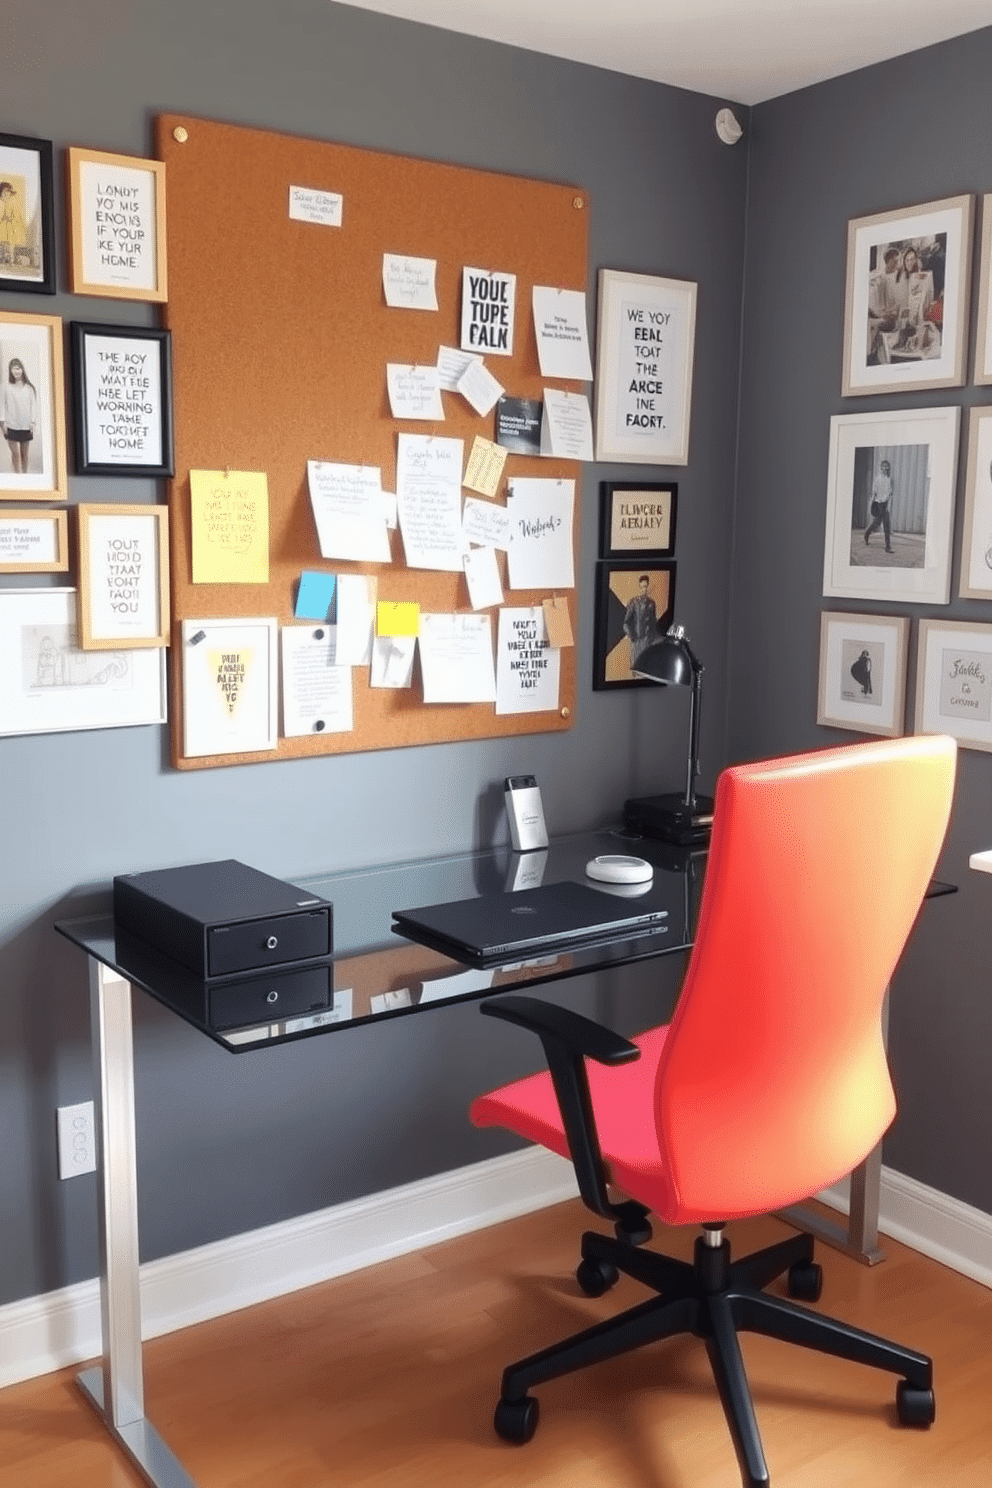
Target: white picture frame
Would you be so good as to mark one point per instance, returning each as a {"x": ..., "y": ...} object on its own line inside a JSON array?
[
  {"x": 983, "y": 325},
  {"x": 920, "y": 448},
  {"x": 954, "y": 682},
  {"x": 975, "y": 578},
  {"x": 907, "y": 296},
  {"x": 230, "y": 670},
  {"x": 645, "y": 346},
  {"x": 48, "y": 684},
  {"x": 862, "y": 681}
]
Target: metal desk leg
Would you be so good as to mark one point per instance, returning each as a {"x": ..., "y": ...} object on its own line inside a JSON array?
[{"x": 116, "y": 1388}]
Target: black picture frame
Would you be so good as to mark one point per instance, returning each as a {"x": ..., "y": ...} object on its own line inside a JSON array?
[
  {"x": 27, "y": 215},
  {"x": 136, "y": 398},
  {"x": 650, "y": 506},
  {"x": 618, "y": 586}
]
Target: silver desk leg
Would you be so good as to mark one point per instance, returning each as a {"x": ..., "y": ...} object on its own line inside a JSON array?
[
  {"x": 860, "y": 1238},
  {"x": 116, "y": 1388}
]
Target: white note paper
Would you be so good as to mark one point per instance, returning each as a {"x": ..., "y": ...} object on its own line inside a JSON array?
[
  {"x": 356, "y": 597},
  {"x": 451, "y": 363},
  {"x": 456, "y": 659},
  {"x": 479, "y": 387},
  {"x": 408, "y": 283},
  {"x": 414, "y": 392},
  {"x": 527, "y": 667},
  {"x": 429, "y": 499},
  {"x": 392, "y": 661},
  {"x": 316, "y": 694},
  {"x": 347, "y": 509},
  {"x": 540, "y": 552},
  {"x": 560, "y": 327},
  {"x": 486, "y": 524},
  {"x": 566, "y": 425},
  {"x": 485, "y": 588}
]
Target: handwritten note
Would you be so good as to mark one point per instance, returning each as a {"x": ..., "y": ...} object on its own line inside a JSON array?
[
  {"x": 527, "y": 667},
  {"x": 560, "y": 327},
  {"x": 456, "y": 659},
  {"x": 408, "y": 283},
  {"x": 485, "y": 587},
  {"x": 451, "y": 363},
  {"x": 485, "y": 467},
  {"x": 488, "y": 301},
  {"x": 316, "y": 694},
  {"x": 486, "y": 524},
  {"x": 230, "y": 511},
  {"x": 540, "y": 553},
  {"x": 324, "y": 208},
  {"x": 429, "y": 498},
  {"x": 347, "y": 508},
  {"x": 566, "y": 429},
  {"x": 414, "y": 392}
]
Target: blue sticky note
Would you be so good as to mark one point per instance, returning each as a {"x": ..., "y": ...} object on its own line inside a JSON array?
[{"x": 315, "y": 597}]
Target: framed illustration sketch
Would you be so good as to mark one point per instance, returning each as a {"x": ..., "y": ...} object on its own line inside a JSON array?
[
  {"x": 27, "y": 261},
  {"x": 954, "y": 682},
  {"x": 49, "y": 685},
  {"x": 117, "y": 226},
  {"x": 635, "y": 602},
  {"x": 33, "y": 541},
  {"x": 32, "y": 407},
  {"x": 647, "y": 329},
  {"x": 863, "y": 672},
  {"x": 890, "y": 504},
  {"x": 975, "y": 581},
  {"x": 122, "y": 387},
  {"x": 123, "y": 577},
  {"x": 906, "y": 299},
  {"x": 637, "y": 517},
  {"x": 230, "y": 686}
]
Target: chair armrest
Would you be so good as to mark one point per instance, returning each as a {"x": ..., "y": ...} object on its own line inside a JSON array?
[{"x": 568, "y": 1040}]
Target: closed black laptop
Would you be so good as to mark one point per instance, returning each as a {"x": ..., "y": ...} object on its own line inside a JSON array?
[{"x": 502, "y": 927}]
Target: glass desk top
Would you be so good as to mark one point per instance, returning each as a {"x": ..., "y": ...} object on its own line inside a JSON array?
[{"x": 375, "y": 973}]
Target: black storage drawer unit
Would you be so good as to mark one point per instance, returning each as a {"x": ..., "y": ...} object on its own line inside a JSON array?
[
  {"x": 223, "y": 919},
  {"x": 236, "y": 1004}
]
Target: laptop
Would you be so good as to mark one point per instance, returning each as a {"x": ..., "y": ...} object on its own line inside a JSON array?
[{"x": 503, "y": 927}]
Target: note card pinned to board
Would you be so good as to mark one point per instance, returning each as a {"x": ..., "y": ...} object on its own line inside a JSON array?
[{"x": 230, "y": 512}]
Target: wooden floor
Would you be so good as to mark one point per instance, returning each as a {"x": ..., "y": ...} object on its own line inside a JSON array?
[{"x": 387, "y": 1379}]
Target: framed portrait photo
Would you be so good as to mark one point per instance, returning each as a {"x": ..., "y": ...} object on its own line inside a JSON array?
[
  {"x": 32, "y": 408},
  {"x": 635, "y": 602},
  {"x": 117, "y": 226},
  {"x": 33, "y": 541},
  {"x": 637, "y": 517},
  {"x": 122, "y": 397},
  {"x": 123, "y": 576},
  {"x": 27, "y": 231},
  {"x": 647, "y": 331},
  {"x": 863, "y": 672},
  {"x": 890, "y": 504},
  {"x": 954, "y": 682},
  {"x": 906, "y": 300}
]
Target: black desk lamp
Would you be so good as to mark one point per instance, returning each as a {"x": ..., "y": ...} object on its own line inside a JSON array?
[{"x": 685, "y": 818}]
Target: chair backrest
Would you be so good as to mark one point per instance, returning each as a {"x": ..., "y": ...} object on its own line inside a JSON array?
[{"x": 774, "y": 1082}]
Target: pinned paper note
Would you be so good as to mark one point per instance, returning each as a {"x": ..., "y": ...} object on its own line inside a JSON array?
[
  {"x": 566, "y": 429},
  {"x": 485, "y": 587},
  {"x": 456, "y": 659},
  {"x": 518, "y": 425},
  {"x": 479, "y": 387},
  {"x": 486, "y": 524},
  {"x": 560, "y": 327},
  {"x": 485, "y": 467},
  {"x": 230, "y": 526},
  {"x": 527, "y": 667},
  {"x": 488, "y": 300},
  {"x": 396, "y": 618},
  {"x": 558, "y": 622},
  {"x": 408, "y": 283},
  {"x": 356, "y": 619},
  {"x": 322, "y": 207},
  {"x": 392, "y": 661},
  {"x": 429, "y": 497},
  {"x": 414, "y": 392},
  {"x": 540, "y": 553},
  {"x": 451, "y": 363},
  {"x": 316, "y": 694},
  {"x": 315, "y": 597},
  {"x": 348, "y": 512}
]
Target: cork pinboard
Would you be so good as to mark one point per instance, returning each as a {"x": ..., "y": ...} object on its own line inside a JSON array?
[{"x": 281, "y": 336}]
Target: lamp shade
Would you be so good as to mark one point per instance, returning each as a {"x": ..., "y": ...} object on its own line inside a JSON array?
[{"x": 668, "y": 659}]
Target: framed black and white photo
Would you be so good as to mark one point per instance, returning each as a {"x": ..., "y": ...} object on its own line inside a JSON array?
[
  {"x": 27, "y": 260},
  {"x": 906, "y": 300},
  {"x": 117, "y": 226},
  {"x": 983, "y": 329},
  {"x": 637, "y": 517},
  {"x": 863, "y": 672},
  {"x": 890, "y": 505},
  {"x": 954, "y": 682},
  {"x": 975, "y": 580},
  {"x": 635, "y": 602},
  {"x": 122, "y": 396},
  {"x": 647, "y": 329},
  {"x": 32, "y": 408},
  {"x": 123, "y": 576}
]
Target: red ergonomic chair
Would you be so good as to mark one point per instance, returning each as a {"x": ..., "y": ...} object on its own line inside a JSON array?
[{"x": 769, "y": 1084}]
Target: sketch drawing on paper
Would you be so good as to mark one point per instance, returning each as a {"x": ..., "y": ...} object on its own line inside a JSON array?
[{"x": 51, "y": 658}]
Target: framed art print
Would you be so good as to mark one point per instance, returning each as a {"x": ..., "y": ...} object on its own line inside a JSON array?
[
  {"x": 33, "y": 541},
  {"x": 32, "y": 408},
  {"x": 637, "y": 517},
  {"x": 27, "y": 231},
  {"x": 890, "y": 505},
  {"x": 906, "y": 299},
  {"x": 975, "y": 581},
  {"x": 117, "y": 226},
  {"x": 983, "y": 329},
  {"x": 647, "y": 329},
  {"x": 122, "y": 396},
  {"x": 635, "y": 602},
  {"x": 230, "y": 685},
  {"x": 863, "y": 672},
  {"x": 954, "y": 682},
  {"x": 123, "y": 576}
]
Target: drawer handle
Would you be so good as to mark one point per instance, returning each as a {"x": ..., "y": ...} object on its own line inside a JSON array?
[
  {"x": 271, "y": 943},
  {"x": 272, "y": 996}
]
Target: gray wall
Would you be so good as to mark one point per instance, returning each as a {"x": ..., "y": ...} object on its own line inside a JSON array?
[
  {"x": 912, "y": 130},
  {"x": 227, "y": 1143}
]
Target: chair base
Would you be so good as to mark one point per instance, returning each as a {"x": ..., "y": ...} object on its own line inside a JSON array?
[{"x": 715, "y": 1299}]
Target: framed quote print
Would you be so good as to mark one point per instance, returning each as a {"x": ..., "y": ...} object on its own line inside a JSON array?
[
  {"x": 647, "y": 330},
  {"x": 122, "y": 396},
  {"x": 123, "y": 576},
  {"x": 230, "y": 685},
  {"x": 33, "y": 541},
  {"x": 954, "y": 682},
  {"x": 32, "y": 408},
  {"x": 117, "y": 226},
  {"x": 637, "y": 518},
  {"x": 863, "y": 672}
]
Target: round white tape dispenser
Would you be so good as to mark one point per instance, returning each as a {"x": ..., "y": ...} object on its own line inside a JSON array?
[{"x": 616, "y": 868}]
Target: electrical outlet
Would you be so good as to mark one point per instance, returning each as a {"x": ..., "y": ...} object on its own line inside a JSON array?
[{"x": 77, "y": 1140}]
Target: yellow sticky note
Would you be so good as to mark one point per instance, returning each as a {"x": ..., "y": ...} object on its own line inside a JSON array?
[
  {"x": 397, "y": 619},
  {"x": 230, "y": 511}
]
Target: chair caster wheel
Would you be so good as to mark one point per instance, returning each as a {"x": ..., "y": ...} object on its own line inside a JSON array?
[
  {"x": 914, "y": 1407},
  {"x": 516, "y": 1420},
  {"x": 596, "y": 1277},
  {"x": 805, "y": 1281}
]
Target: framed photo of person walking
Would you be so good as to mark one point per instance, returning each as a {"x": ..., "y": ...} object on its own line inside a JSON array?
[
  {"x": 635, "y": 602},
  {"x": 32, "y": 408},
  {"x": 863, "y": 672},
  {"x": 27, "y": 261}
]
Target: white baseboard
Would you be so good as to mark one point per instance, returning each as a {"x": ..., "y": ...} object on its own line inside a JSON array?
[{"x": 62, "y": 1328}]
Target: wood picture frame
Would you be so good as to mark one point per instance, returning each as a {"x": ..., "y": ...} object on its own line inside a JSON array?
[
  {"x": 906, "y": 298},
  {"x": 122, "y": 399},
  {"x": 646, "y": 340},
  {"x": 862, "y": 680},
  {"x": 123, "y": 577},
  {"x": 975, "y": 578},
  {"x": 954, "y": 682},
  {"x": 637, "y": 519},
  {"x": 635, "y": 603},
  {"x": 117, "y": 231},
  {"x": 32, "y": 462},
  {"x": 27, "y": 215},
  {"x": 33, "y": 541}
]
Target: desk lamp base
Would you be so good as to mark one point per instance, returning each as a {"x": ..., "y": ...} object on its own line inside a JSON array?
[{"x": 669, "y": 819}]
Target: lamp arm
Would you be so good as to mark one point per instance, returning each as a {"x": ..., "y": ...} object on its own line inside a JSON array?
[{"x": 695, "y": 695}]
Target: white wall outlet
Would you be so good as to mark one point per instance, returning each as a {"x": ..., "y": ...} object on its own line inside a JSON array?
[{"x": 77, "y": 1140}]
